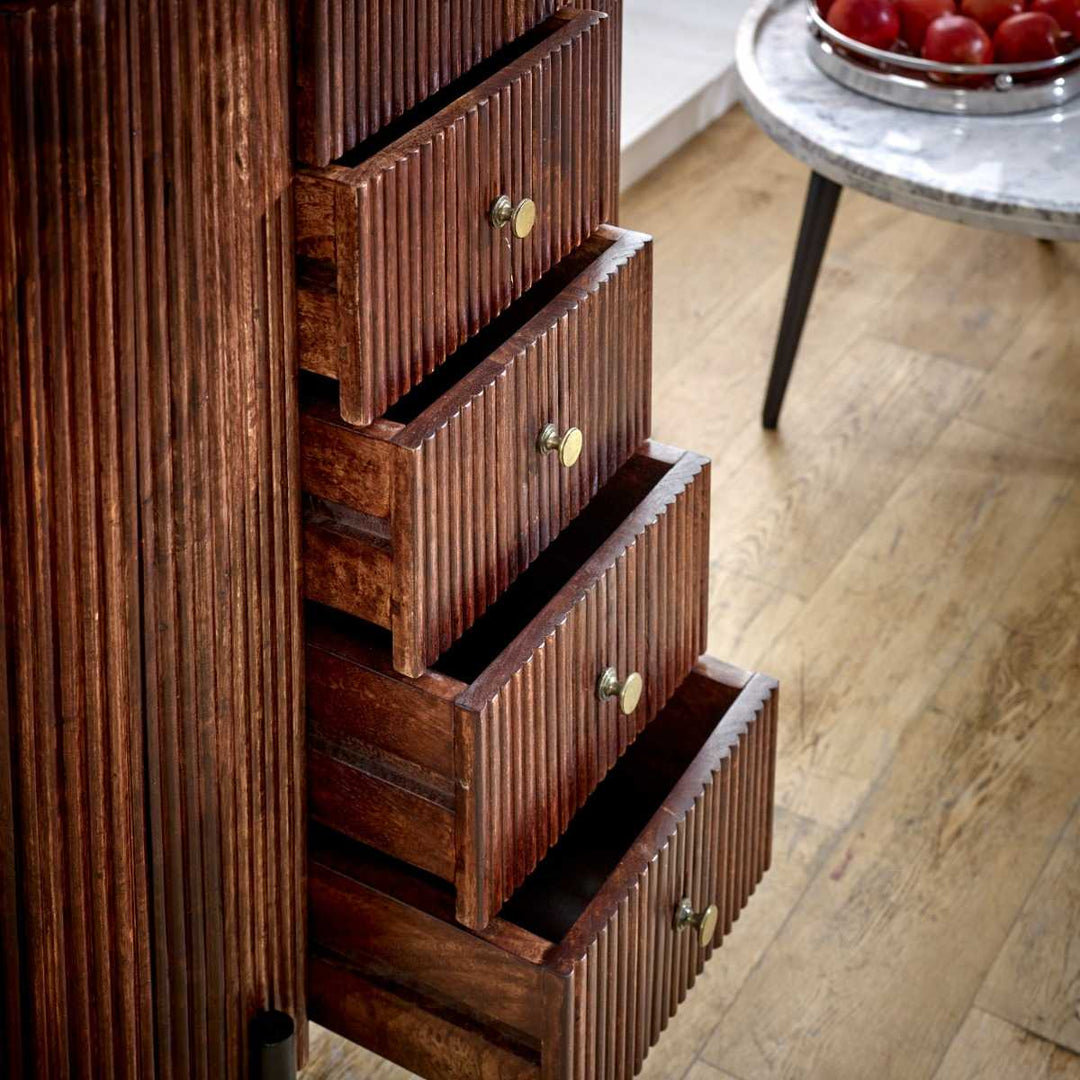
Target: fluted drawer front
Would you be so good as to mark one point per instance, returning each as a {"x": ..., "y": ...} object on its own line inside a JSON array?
[
  {"x": 632, "y": 976},
  {"x": 581, "y": 970},
  {"x": 488, "y": 501},
  {"x": 514, "y": 733},
  {"x": 362, "y": 63},
  {"x": 474, "y": 499},
  {"x": 535, "y": 736},
  {"x": 399, "y": 260}
]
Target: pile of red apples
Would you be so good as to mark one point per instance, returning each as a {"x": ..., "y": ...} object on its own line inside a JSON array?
[{"x": 960, "y": 31}]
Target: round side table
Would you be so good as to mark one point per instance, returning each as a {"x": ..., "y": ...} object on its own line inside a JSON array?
[{"x": 1015, "y": 173}]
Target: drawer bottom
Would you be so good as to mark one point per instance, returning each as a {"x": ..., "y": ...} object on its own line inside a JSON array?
[{"x": 583, "y": 968}]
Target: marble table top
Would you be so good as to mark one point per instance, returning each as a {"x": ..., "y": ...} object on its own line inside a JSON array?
[{"x": 1018, "y": 173}]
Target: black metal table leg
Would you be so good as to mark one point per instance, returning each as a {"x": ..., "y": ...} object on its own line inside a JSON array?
[{"x": 821, "y": 198}]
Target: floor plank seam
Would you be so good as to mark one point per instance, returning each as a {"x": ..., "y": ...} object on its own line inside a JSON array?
[{"x": 1028, "y": 1031}]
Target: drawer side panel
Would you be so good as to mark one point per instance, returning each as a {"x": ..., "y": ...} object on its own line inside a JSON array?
[
  {"x": 544, "y": 740},
  {"x": 489, "y": 501},
  {"x": 632, "y": 977}
]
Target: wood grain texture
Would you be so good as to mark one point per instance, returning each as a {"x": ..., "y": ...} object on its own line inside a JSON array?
[
  {"x": 585, "y": 964},
  {"x": 362, "y": 63},
  {"x": 425, "y": 1034},
  {"x": 534, "y": 739},
  {"x": 719, "y": 290},
  {"x": 399, "y": 263},
  {"x": 986, "y": 1046},
  {"x": 627, "y": 978},
  {"x": 473, "y": 501},
  {"x": 151, "y": 724},
  {"x": 624, "y": 587}
]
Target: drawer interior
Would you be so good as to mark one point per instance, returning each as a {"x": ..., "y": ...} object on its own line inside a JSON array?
[
  {"x": 480, "y": 645},
  {"x": 557, "y": 894},
  {"x": 553, "y": 568},
  {"x": 320, "y": 393},
  {"x": 500, "y": 330}
]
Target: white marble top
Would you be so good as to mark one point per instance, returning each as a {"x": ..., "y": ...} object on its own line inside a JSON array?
[{"x": 1020, "y": 173}]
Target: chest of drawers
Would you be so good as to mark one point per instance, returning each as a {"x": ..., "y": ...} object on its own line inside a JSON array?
[{"x": 536, "y": 807}]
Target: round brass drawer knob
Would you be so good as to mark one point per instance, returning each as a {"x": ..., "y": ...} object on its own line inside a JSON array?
[
  {"x": 628, "y": 691},
  {"x": 521, "y": 218},
  {"x": 568, "y": 444},
  {"x": 704, "y": 922}
]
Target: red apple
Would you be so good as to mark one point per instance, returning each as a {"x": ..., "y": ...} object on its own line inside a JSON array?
[
  {"x": 990, "y": 14},
  {"x": 873, "y": 22},
  {"x": 956, "y": 39},
  {"x": 917, "y": 15},
  {"x": 823, "y": 7},
  {"x": 1066, "y": 13},
  {"x": 1031, "y": 36}
]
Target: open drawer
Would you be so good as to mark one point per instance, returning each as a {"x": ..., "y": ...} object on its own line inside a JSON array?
[
  {"x": 408, "y": 248},
  {"x": 584, "y": 966},
  {"x": 473, "y": 770},
  {"x": 419, "y": 521}
]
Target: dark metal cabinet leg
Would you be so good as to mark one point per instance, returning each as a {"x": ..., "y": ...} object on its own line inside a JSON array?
[
  {"x": 274, "y": 1046},
  {"x": 818, "y": 213}
]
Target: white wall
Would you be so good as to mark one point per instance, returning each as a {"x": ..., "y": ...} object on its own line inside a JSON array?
[{"x": 678, "y": 75}]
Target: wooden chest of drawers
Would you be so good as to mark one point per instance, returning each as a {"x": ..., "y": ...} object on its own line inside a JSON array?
[{"x": 536, "y": 807}]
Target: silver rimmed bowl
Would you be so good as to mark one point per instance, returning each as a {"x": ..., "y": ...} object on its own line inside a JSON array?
[{"x": 911, "y": 81}]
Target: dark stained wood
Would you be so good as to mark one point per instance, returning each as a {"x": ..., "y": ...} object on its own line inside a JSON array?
[
  {"x": 401, "y": 818},
  {"x": 621, "y": 587},
  {"x": 360, "y": 64},
  {"x": 338, "y": 466},
  {"x": 424, "y": 1034},
  {"x": 399, "y": 263},
  {"x": 151, "y": 738},
  {"x": 347, "y": 562},
  {"x": 585, "y": 961},
  {"x": 474, "y": 502}
]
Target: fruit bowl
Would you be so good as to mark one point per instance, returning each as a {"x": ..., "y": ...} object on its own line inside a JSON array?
[{"x": 914, "y": 82}]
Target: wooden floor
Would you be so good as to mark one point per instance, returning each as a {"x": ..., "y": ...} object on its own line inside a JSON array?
[{"x": 905, "y": 555}]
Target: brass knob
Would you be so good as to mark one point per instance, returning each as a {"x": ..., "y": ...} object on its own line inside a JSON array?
[
  {"x": 704, "y": 922},
  {"x": 520, "y": 218},
  {"x": 628, "y": 691},
  {"x": 568, "y": 444}
]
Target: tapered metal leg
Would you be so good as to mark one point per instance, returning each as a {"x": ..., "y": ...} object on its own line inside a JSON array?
[
  {"x": 818, "y": 213},
  {"x": 274, "y": 1046}
]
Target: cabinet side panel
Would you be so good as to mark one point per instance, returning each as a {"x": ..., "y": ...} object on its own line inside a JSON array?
[{"x": 151, "y": 783}]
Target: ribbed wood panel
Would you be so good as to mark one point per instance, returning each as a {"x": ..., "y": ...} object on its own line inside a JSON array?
[
  {"x": 416, "y": 265},
  {"x": 541, "y": 740},
  {"x": 362, "y": 63},
  {"x": 151, "y": 756},
  {"x": 488, "y": 502},
  {"x": 632, "y": 978}
]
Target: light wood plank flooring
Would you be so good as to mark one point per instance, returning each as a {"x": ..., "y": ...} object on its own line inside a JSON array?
[{"x": 905, "y": 555}]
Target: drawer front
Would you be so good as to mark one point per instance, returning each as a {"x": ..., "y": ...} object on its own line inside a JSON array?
[
  {"x": 399, "y": 260},
  {"x": 362, "y": 63},
  {"x": 488, "y": 501},
  {"x": 534, "y": 739},
  {"x": 634, "y": 973}
]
